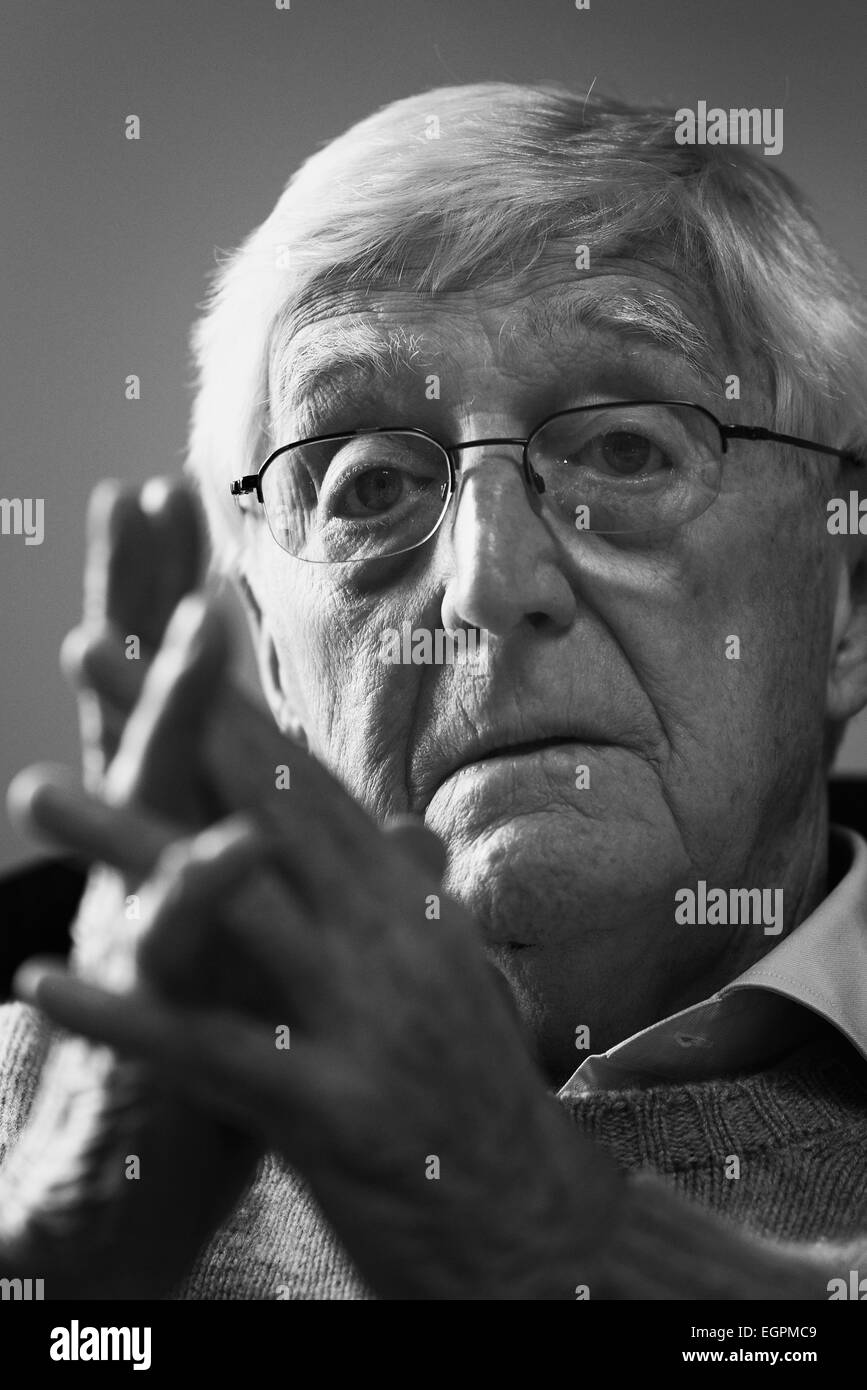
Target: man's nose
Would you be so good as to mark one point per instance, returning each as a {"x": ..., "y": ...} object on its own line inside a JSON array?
[{"x": 507, "y": 564}]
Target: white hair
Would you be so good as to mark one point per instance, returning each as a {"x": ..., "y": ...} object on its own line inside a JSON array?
[{"x": 512, "y": 169}]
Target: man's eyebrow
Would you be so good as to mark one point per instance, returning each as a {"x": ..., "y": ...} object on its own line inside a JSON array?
[
  {"x": 639, "y": 314},
  {"x": 345, "y": 359},
  {"x": 353, "y": 355}
]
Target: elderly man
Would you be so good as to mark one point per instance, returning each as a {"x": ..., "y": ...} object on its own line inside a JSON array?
[{"x": 537, "y": 976}]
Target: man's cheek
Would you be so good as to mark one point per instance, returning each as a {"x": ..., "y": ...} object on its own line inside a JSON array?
[{"x": 367, "y": 737}]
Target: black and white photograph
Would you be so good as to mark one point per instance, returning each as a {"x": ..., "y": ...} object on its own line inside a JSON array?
[{"x": 433, "y": 548}]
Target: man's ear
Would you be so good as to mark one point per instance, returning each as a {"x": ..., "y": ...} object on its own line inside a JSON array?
[
  {"x": 282, "y": 701},
  {"x": 847, "y": 670}
]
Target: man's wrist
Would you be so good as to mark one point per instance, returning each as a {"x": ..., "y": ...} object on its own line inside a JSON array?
[{"x": 553, "y": 1230}]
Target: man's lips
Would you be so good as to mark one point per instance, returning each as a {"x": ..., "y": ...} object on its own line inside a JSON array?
[
  {"x": 506, "y": 748},
  {"x": 516, "y": 750}
]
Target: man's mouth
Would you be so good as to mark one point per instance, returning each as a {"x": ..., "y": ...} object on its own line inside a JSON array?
[
  {"x": 517, "y": 750},
  {"x": 508, "y": 751}
]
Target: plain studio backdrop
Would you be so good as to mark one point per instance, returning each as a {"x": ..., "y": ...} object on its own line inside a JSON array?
[{"x": 106, "y": 242}]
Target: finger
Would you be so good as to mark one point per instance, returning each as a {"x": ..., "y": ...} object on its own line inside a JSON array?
[
  {"x": 133, "y": 1021},
  {"x": 419, "y": 843},
  {"x": 281, "y": 949},
  {"x": 216, "y": 1058},
  {"x": 218, "y": 931},
  {"x": 193, "y": 881},
  {"x": 47, "y": 802},
  {"x": 112, "y": 517},
  {"x": 189, "y": 886},
  {"x": 99, "y": 731},
  {"x": 327, "y": 839},
  {"x": 161, "y": 746},
  {"x": 115, "y": 527},
  {"x": 94, "y": 659},
  {"x": 172, "y": 510},
  {"x": 143, "y": 555}
]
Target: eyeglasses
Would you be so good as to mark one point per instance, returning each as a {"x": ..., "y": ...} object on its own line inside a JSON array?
[{"x": 619, "y": 468}]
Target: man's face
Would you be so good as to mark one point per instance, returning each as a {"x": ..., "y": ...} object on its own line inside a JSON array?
[{"x": 605, "y": 653}]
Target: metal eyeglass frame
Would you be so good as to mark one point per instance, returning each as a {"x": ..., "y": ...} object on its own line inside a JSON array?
[{"x": 252, "y": 482}]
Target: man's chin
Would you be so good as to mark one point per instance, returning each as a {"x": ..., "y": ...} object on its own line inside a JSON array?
[{"x": 545, "y": 875}]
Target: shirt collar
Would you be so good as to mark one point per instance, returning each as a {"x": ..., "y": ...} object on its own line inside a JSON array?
[{"x": 818, "y": 971}]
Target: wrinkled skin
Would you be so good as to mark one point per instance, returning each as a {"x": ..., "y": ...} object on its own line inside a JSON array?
[{"x": 700, "y": 767}]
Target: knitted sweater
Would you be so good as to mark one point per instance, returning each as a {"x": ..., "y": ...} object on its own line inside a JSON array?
[{"x": 695, "y": 1223}]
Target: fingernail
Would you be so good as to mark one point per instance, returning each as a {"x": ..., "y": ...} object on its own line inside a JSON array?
[
  {"x": 30, "y": 978},
  {"x": 155, "y": 494},
  {"x": 31, "y": 790},
  {"x": 83, "y": 651}
]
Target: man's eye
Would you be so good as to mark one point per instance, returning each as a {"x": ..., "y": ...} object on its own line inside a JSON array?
[
  {"x": 370, "y": 479},
  {"x": 623, "y": 454},
  {"x": 372, "y": 492}
]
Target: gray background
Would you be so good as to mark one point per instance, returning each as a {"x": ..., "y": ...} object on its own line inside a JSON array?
[{"x": 106, "y": 242}]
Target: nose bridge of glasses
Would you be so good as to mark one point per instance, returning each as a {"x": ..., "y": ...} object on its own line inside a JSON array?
[
  {"x": 483, "y": 443},
  {"x": 533, "y": 483}
]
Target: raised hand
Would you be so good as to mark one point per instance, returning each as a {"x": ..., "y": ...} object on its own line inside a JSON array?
[
  {"x": 144, "y": 554},
  {"x": 72, "y": 1209},
  {"x": 406, "y": 1094}
]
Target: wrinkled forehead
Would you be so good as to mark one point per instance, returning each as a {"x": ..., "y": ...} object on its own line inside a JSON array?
[{"x": 355, "y": 334}]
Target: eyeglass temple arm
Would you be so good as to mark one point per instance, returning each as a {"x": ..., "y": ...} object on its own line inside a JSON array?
[{"x": 757, "y": 432}]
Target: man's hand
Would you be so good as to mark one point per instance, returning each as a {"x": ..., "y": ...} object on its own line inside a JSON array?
[
  {"x": 109, "y": 1157},
  {"x": 144, "y": 554},
  {"x": 353, "y": 1023}
]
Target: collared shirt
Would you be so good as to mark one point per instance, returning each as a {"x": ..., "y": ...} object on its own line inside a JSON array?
[{"x": 820, "y": 968}]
